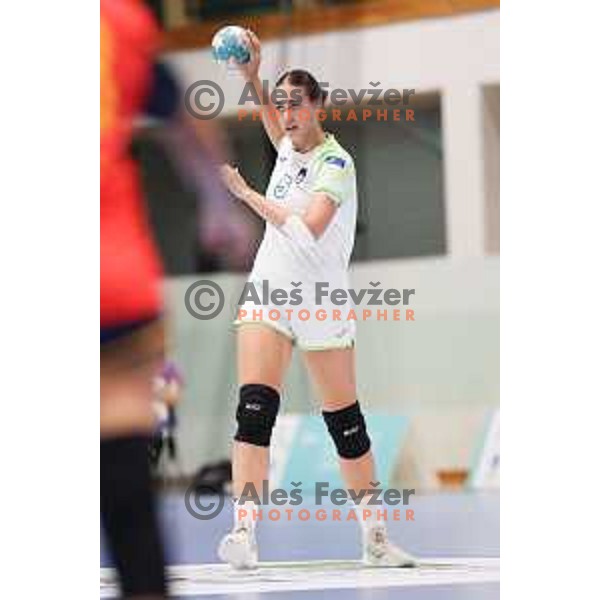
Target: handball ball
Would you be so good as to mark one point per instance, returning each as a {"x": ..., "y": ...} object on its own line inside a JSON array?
[{"x": 230, "y": 42}]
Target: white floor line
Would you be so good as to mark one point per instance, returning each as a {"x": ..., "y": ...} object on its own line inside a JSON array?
[{"x": 201, "y": 580}]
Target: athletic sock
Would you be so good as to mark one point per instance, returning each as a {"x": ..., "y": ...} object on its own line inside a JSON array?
[
  {"x": 129, "y": 516},
  {"x": 243, "y": 517},
  {"x": 367, "y": 517}
]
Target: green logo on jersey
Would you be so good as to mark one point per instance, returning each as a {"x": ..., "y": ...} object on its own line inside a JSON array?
[{"x": 283, "y": 187}]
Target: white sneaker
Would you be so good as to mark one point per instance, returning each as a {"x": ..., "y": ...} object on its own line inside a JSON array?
[
  {"x": 378, "y": 551},
  {"x": 239, "y": 549}
]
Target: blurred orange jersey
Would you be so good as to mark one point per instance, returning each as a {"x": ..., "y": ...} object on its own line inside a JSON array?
[{"x": 130, "y": 270}]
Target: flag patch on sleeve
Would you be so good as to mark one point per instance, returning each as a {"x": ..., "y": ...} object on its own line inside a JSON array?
[{"x": 335, "y": 160}]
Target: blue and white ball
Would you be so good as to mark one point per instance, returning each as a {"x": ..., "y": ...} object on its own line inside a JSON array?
[{"x": 230, "y": 43}]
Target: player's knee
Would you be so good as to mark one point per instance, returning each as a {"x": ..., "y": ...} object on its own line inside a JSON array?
[
  {"x": 348, "y": 430},
  {"x": 256, "y": 414}
]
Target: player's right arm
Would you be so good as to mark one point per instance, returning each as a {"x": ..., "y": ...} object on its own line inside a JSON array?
[{"x": 250, "y": 70}]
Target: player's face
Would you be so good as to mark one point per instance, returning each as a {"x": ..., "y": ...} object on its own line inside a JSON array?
[{"x": 298, "y": 114}]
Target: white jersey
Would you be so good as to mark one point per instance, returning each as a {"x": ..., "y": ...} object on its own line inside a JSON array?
[
  {"x": 283, "y": 259},
  {"x": 295, "y": 179}
]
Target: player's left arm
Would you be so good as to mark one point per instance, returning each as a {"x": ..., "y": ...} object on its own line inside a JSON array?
[{"x": 315, "y": 219}]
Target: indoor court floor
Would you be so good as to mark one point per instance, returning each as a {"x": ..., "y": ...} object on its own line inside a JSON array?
[{"x": 456, "y": 536}]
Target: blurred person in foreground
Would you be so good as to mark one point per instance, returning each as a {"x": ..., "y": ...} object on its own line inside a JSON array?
[{"x": 134, "y": 84}]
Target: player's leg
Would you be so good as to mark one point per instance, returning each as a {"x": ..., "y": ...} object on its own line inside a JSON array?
[
  {"x": 263, "y": 357},
  {"x": 333, "y": 374},
  {"x": 127, "y": 366}
]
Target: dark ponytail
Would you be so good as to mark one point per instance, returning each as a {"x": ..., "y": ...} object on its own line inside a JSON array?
[{"x": 303, "y": 79}]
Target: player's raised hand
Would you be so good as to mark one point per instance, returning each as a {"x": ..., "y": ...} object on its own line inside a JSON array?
[{"x": 251, "y": 68}]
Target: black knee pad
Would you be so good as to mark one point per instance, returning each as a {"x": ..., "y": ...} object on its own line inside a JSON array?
[
  {"x": 348, "y": 429},
  {"x": 256, "y": 414}
]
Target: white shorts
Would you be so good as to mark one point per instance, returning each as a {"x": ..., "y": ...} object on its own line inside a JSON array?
[{"x": 312, "y": 327}]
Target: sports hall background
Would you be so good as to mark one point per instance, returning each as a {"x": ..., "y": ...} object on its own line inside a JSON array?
[{"x": 428, "y": 220}]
